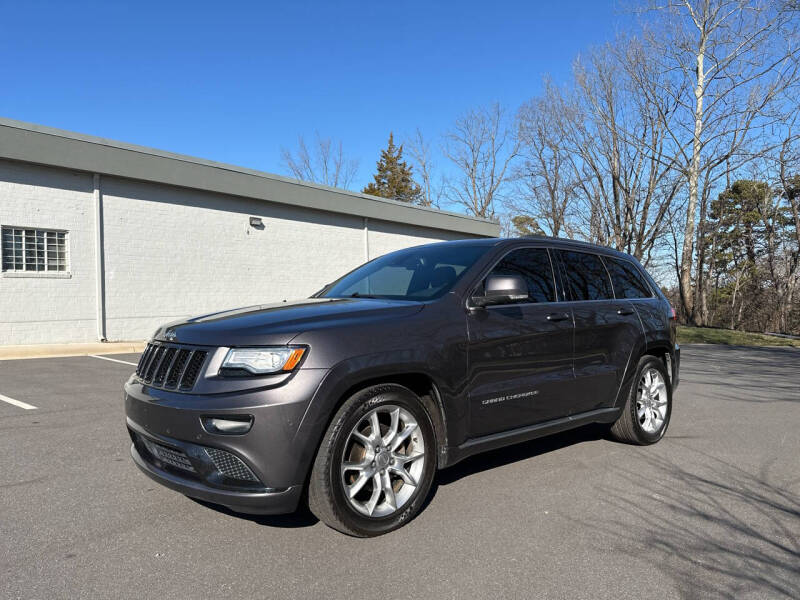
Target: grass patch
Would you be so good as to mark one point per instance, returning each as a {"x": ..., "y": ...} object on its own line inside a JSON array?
[{"x": 708, "y": 335}]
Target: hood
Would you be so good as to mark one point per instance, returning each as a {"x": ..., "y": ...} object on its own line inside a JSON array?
[{"x": 277, "y": 324}]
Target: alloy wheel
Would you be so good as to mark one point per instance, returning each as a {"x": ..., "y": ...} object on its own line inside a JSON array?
[
  {"x": 383, "y": 461},
  {"x": 651, "y": 401}
]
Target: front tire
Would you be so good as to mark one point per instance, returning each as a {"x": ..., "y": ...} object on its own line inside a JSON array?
[
  {"x": 376, "y": 463},
  {"x": 648, "y": 407}
]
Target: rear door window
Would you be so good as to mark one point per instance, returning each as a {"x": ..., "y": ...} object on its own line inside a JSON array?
[
  {"x": 586, "y": 276},
  {"x": 533, "y": 265},
  {"x": 628, "y": 281}
]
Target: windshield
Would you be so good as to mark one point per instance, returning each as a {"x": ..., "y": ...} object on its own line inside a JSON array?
[{"x": 421, "y": 273}]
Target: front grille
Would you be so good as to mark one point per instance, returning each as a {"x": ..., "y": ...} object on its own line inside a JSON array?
[
  {"x": 167, "y": 455},
  {"x": 192, "y": 370},
  {"x": 229, "y": 465},
  {"x": 170, "y": 366}
]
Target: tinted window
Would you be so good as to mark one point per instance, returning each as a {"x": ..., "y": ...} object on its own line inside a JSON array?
[
  {"x": 628, "y": 281},
  {"x": 419, "y": 273},
  {"x": 533, "y": 265},
  {"x": 586, "y": 276}
]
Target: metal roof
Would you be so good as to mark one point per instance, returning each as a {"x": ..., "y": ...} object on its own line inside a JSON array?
[{"x": 55, "y": 147}]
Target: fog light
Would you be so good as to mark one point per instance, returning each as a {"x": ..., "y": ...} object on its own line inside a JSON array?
[{"x": 229, "y": 426}]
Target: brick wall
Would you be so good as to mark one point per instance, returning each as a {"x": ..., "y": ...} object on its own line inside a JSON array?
[
  {"x": 171, "y": 253},
  {"x": 43, "y": 309}
]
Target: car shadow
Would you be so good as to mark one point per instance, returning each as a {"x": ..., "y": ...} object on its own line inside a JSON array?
[
  {"x": 514, "y": 453},
  {"x": 517, "y": 452},
  {"x": 302, "y": 517},
  {"x": 469, "y": 466}
]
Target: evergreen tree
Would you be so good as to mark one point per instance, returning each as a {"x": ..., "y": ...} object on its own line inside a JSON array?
[
  {"x": 526, "y": 225},
  {"x": 394, "y": 178}
]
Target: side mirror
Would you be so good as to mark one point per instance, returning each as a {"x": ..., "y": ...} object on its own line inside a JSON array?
[{"x": 502, "y": 289}]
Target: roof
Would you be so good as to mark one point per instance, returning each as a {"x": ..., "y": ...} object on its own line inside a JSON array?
[
  {"x": 551, "y": 242},
  {"x": 560, "y": 242},
  {"x": 55, "y": 147}
]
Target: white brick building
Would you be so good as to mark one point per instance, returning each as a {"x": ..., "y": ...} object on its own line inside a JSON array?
[{"x": 105, "y": 240}]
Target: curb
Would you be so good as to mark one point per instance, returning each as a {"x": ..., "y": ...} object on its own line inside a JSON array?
[{"x": 59, "y": 350}]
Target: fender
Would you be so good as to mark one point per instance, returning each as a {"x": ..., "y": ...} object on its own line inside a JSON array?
[{"x": 361, "y": 371}]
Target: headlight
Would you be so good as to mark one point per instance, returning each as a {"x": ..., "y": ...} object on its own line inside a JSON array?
[{"x": 261, "y": 361}]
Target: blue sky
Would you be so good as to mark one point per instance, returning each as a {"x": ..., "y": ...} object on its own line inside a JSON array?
[{"x": 234, "y": 82}]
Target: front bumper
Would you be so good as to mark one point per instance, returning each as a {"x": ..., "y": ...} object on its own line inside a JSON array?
[
  {"x": 269, "y": 462},
  {"x": 261, "y": 501}
]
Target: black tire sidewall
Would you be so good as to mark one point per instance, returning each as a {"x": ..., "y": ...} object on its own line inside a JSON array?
[
  {"x": 647, "y": 363},
  {"x": 352, "y": 412}
]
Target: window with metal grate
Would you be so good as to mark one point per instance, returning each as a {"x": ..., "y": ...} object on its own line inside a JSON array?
[{"x": 34, "y": 250}]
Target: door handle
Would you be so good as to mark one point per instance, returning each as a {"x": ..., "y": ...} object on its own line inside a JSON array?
[
  {"x": 624, "y": 311},
  {"x": 557, "y": 317}
]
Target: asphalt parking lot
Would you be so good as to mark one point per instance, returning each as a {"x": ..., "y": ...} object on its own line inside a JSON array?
[{"x": 711, "y": 511}]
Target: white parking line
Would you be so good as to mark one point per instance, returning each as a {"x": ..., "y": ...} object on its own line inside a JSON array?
[
  {"x": 24, "y": 405},
  {"x": 122, "y": 362}
]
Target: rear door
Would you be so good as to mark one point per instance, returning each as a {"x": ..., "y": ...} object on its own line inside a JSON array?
[
  {"x": 606, "y": 330},
  {"x": 520, "y": 355},
  {"x": 631, "y": 284}
]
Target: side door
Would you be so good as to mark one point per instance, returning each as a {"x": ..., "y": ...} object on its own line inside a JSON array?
[
  {"x": 520, "y": 355},
  {"x": 607, "y": 330},
  {"x": 631, "y": 284}
]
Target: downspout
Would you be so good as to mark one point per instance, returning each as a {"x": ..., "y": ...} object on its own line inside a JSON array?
[
  {"x": 100, "y": 278},
  {"x": 366, "y": 239}
]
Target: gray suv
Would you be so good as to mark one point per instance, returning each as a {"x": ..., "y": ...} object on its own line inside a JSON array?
[{"x": 352, "y": 399}]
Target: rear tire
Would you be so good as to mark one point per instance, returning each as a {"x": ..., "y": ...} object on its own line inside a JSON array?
[
  {"x": 365, "y": 482},
  {"x": 648, "y": 407}
]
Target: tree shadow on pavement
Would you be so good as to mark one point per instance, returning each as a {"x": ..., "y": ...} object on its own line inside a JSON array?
[
  {"x": 714, "y": 528},
  {"x": 758, "y": 374}
]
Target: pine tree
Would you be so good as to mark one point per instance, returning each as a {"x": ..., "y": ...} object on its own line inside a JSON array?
[
  {"x": 394, "y": 178},
  {"x": 526, "y": 225}
]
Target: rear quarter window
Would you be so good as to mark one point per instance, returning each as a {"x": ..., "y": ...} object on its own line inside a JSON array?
[{"x": 627, "y": 280}]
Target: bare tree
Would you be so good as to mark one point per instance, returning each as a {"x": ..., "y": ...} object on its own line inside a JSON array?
[
  {"x": 481, "y": 144},
  {"x": 433, "y": 185},
  {"x": 324, "y": 163},
  {"x": 545, "y": 178},
  {"x": 788, "y": 280},
  {"x": 596, "y": 162},
  {"x": 627, "y": 165},
  {"x": 724, "y": 63}
]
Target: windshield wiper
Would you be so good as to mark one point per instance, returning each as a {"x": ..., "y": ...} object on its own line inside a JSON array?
[{"x": 357, "y": 295}]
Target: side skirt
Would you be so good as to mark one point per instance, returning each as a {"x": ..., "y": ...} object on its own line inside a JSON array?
[{"x": 530, "y": 432}]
